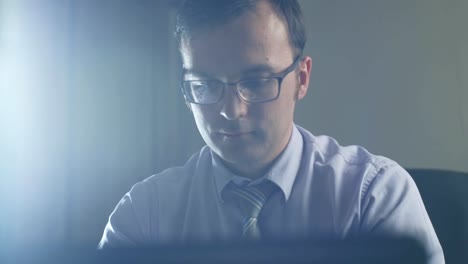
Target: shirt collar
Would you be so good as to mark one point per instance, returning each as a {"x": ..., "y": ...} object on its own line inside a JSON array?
[{"x": 282, "y": 173}]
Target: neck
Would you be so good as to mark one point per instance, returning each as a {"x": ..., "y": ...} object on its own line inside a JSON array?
[{"x": 249, "y": 171}]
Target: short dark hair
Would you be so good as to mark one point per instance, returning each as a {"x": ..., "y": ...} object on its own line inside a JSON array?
[{"x": 196, "y": 15}]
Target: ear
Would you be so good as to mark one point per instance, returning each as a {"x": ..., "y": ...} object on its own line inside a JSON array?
[{"x": 305, "y": 68}]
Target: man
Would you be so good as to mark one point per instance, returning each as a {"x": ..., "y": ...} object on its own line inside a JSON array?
[{"x": 243, "y": 72}]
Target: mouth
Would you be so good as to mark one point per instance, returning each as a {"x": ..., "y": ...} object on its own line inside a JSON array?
[{"x": 233, "y": 134}]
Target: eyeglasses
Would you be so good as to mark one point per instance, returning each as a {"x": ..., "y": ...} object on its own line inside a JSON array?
[{"x": 253, "y": 90}]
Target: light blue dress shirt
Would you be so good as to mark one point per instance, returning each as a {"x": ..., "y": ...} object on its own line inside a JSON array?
[{"x": 324, "y": 190}]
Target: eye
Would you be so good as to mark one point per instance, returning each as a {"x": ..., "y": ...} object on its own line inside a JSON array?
[
  {"x": 259, "y": 89},
  {"x": 203, "y": 91},
  {"x": 259, "y": 84},
  {"x": 210, "y": 85},
  {"x": 198, "y": 85}
]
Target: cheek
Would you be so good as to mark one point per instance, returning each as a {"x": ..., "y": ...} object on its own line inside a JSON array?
[
  {"x": 204, "y": 119},
  {"x": 202, "y": 124},
  {"x": 291, "y": 88},
  {"x": 279, "y": 115},
  {"x": 267, "y": 119}
]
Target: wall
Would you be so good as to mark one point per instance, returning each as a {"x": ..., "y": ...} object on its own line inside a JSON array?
[{"x": 391, "y": 76}]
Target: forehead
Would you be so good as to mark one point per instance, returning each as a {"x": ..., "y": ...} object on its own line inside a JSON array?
[{"x": 257, "y": 37}]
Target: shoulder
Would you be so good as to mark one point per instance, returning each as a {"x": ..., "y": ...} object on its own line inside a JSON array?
[
  {"x": 134, "y": 219},
  {"x": 176, "y": 176},
  {"x": 326, "y": 149},
  {"x": 384, "y": 195},
  {"x": 350, "y": 163},
  {"x": 168, "y": 182}
]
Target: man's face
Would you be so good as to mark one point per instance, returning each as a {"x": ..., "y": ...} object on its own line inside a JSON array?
[{"x": 247, "y": 136}]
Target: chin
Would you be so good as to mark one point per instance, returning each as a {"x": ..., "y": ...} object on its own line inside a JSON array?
[
  {"x": 239, "y": 155},
  {"x": 238, "y": 151}
]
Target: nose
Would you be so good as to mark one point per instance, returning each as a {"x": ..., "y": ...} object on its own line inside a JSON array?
[{"x": 233, "y": 107}]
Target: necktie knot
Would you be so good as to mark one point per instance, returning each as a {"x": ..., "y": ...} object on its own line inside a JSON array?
[{"x": 250, "y": 200}]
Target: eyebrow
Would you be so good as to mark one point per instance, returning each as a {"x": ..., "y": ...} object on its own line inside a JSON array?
[
  {"x": 196, "y": 73},
  {"x": 258, "y": 68},
  {"x": 250, "y": 71}
]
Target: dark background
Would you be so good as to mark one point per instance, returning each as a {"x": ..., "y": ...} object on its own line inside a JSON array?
[{"x": 89, "y": 102}]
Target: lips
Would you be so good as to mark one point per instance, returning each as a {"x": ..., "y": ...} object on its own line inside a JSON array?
[{"x": 233, "y": 134}]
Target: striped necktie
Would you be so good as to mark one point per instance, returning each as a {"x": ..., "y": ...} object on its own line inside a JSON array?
[{"x": 250, "y": 200}]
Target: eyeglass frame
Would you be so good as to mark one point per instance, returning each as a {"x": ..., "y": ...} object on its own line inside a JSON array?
[{"x": 279, "y": 77}]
